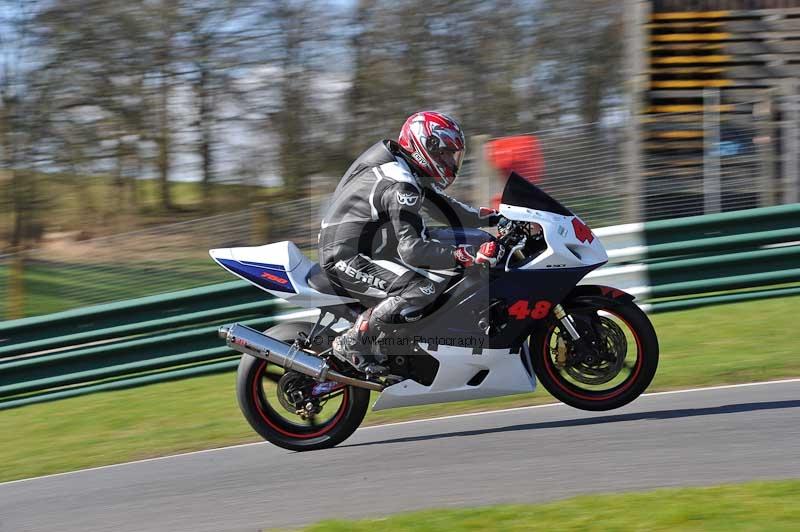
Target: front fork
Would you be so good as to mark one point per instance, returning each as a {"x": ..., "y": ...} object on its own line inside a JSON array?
[
  {"x": 584, "y": 347},
  {"x": 567, "y": 321}
]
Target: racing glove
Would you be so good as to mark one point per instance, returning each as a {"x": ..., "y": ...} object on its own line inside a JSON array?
[
  {"x": 491, "y": 216},
  {"x": 463, "y": 256},
  {"x": 490, "y": 253}
]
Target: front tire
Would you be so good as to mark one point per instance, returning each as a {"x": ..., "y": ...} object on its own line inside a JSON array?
[
  {"x": 570, "y": 385},
  {"x": 274, "y": 423}
]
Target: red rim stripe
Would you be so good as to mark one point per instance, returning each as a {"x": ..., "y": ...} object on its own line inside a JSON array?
[
  {"x": 328, "y": 426},
  {"x": 557, "y": 379}
]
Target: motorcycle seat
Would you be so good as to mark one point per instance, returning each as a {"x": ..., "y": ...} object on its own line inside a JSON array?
[{"x": 319, "y": 280}]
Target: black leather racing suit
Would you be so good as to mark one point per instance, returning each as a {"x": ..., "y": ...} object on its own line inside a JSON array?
[{"x": 374, "y": 243}]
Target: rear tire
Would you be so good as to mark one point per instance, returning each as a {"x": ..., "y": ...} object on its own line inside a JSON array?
[
  {"x": 570, "y": 392},
  {"x": 264, "y": 417}
]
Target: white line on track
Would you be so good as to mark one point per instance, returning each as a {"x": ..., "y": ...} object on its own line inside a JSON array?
[
  {"x": 547, "y": 405},
  {"x": 385, "y": 425}
]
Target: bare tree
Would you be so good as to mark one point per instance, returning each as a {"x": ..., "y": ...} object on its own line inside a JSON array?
[
  {"x": 23, "y": 107},
  {"x": 582, "y": 45},
  {"x": 248, "y": 90}
]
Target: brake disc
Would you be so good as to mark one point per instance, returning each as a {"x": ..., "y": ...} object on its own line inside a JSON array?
[{"x": 612, "y": 348}]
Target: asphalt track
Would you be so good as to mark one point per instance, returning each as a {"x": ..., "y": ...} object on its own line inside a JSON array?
[{"x": 698, "y": 437}]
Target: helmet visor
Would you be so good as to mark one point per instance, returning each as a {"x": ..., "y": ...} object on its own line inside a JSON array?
[{"x": 451, "y": 159}]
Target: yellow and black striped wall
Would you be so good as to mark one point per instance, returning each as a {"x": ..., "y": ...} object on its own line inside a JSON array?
[{"x": 748, "y": 49}]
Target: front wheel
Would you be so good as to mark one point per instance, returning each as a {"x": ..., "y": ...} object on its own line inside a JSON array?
[
  {"x": 272, "y": 401},
  {"x": 613, "y": 363}
]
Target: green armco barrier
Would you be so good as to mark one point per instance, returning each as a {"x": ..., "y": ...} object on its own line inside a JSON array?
[
  {"x": 112, "y": 346},
  {"x": 739, "y": 297},
  {"x": 724, "y": 243},
  {"x": 726, "y": 283},
  {"x": 723, "y": 224},
  {"x": 128, "y": 312},
  {"x": 126, "y": 382},
  {"x": 727, "y": 251},
  {"x": 257, "y": 308},
  {"x": 166, "y": 337},
  {"x": 27, "y": 384},
  {"x": 712, "y": 267},
  {"x": 104, "y": 361}
]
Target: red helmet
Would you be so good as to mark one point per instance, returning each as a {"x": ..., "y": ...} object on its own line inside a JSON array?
[{"x": 435, "y": 144}]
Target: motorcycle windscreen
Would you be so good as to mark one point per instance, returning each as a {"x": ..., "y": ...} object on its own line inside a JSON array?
[{"x": 522, "y": 193}]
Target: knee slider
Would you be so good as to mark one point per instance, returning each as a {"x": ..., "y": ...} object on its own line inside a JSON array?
[
  {"x": 393, "y": 311},
  {"x": 386, "y": 312}
]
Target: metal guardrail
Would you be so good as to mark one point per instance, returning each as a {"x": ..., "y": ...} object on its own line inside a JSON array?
[
  {"x": 124, "y": 344},
  {"x": 694, "y": 256},
  {"x": 668, "y": 264}
]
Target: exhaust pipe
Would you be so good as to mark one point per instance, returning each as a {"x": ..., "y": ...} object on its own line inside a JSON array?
[{"x": 251, "y": 342}]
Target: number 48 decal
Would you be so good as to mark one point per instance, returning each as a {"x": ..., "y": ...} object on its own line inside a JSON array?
[{"x": 520, "y": 310}]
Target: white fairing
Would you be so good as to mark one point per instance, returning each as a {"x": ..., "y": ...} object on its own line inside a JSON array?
[
  {"x": 457, "y": 365},
  {"x": 564, "y": 249},
  {"x": 507, "y": 375},
  {"x": 293, "y": 261}
]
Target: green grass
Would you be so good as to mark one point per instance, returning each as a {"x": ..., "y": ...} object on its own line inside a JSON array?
[
  {"x": 93, "y": 209},
  {"x": 714, "y": 345},
  {"x": 752, "y": 506},
  {"x": 53, "y": 286}
]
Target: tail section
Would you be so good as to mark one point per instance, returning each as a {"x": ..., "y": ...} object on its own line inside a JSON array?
[{"x": 280, "y": 269}]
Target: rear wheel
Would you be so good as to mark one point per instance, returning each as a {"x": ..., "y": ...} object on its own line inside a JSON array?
[
  {"x": 292, "y": 410},
  {"x": 613, "y": 367}
]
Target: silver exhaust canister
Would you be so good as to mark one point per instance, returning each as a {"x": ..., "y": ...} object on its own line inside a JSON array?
[{"x": 245, "y": 340}]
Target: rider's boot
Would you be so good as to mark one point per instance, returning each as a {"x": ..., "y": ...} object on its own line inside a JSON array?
[{"x": 353, "y": 346}]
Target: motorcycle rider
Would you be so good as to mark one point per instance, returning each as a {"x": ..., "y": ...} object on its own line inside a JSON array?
[{"x": 374, "y": 244}]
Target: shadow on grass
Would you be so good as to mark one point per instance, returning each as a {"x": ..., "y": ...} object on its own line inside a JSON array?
[{"x": 601, "y": 420}]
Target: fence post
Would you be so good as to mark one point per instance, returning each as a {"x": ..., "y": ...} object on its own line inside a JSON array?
[
  {"x": 789, "y": 142},
  {"x": 16, "y": 284},
  {"x": 484, "y": 176},
  {"x": 712, "y": 185},
  {"x": 765, "y": 141},
  {"x": 637, "y": 12},
  {"x": 262, "y": 224}
]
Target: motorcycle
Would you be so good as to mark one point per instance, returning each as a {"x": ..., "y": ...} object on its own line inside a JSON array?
[{"x": 495, "y": 331}]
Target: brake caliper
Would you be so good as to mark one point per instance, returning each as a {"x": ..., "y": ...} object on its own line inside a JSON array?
[{"x": 561, "y": 352}]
